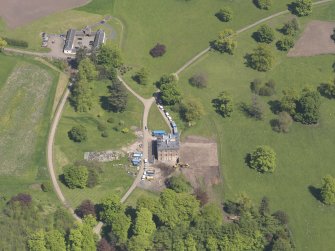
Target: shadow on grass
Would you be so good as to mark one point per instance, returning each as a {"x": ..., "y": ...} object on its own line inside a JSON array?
[
  {"x": 316, "y": 192},
  {"x": 274, "y": 106}
]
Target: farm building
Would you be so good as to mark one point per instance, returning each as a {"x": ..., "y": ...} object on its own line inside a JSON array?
[
  {"x": 83, "y": 38},
  {"x": 167, "y": 148}
]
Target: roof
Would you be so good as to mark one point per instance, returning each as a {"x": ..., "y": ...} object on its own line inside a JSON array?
[
  {"x": 69, "y": 39},
  {"x": 158, "y": 132},
  {"x": 168, "y": 142},
  {"x": 99, "y": 39}
]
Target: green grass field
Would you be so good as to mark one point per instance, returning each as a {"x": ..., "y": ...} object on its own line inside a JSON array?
[
  {"x": 304, "y": 155},
  {"x": 67, "y": 152},
  {"x": 26, "y": 89},
  {"x": 138, "y": 193},
  {"x": 156, "y": 121}
]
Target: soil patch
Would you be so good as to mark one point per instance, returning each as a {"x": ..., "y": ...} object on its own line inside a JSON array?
[
  {"x": 18, "y": 12},
  {"x": 202, "y": 156},
  {"x": 315, "y": 40}
]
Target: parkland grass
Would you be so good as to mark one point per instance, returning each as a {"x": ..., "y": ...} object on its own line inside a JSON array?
[
  {"x": 155, "y": 120},
  {"x": 304, "y": 155}
]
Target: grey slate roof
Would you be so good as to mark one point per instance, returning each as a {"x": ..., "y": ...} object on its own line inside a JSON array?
[
  {"x": 69, "y": 39},
  {"x": 98, "y": 39},
  {"x": 168, "y": 142}
]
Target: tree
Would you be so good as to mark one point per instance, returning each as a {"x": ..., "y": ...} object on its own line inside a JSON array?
[
  {"x": 263, "y": 159},
  {"x": 327, "y": 90},
  {"x": 54, "y": 241},
  {"x": 78, "y": 133},
  {"x": 75, "y": 176},
  {"x": 179, "y": 184},
  {"x": 291, "y": 27},
  {"x": 166, "y": 79},
  {"x": 263, "y": 4},
  {"x": 302, "y": 7},
  {"x": 170, "y": 94},
  {"x": 110, "y": 208},
  {"x": 264, "y": 34},
  {"x": 264, "y": 207},
  {"x": 223, "y": 104},
  {"x": 191, "y": 111},
  {"x": 36, "y": 241},
  {"x": 104, "y": 245},
  {"x": 262, "y": 58},
  {"x": 289, "y": 101},
  {"x": 85, "y": 208},
  {"x": 255, "y": 109},
  {"x": 158, "y": 51},
  {"x": 86, "y": 70},
  {"x": 118, "y": 98},
  {"x": 198, "y": 80},
  {"x": 283, "y": 123},
  {"x": 75, "y": 240},
  {"x": 225, "y": 14},
  {"x": 82, "y": 96},
  {"x": 226, "y": 42},
  {"x": 3, "y": 44},
  {"x": 285, "y": 43},
  {"x": 142, "y": 76},
  {"x": 81, "y": 54},
  {"x": 109, "y": 55},
  {"x": 308, "y": 107},
  {"x": 328, "y": 190},
  {"x": 281, "y": 244},
  {"x": 120, "y": 226}
]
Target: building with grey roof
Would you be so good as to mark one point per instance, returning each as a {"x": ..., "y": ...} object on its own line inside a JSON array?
[
  {"x": 167, "y": 148},
  {"x": 99, "y": 39},
  {"x": 69, "y": 41}
]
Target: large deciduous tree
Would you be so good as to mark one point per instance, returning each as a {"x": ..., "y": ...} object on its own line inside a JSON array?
[
  {"x": 261, "y": 59},
  {"x": 170, "y": 94},
  {"x": 225, "y": 14},
  {"x": 109, "y": 55},
  {"x": 263, "y": 159},
  {"x": 328, "y": 190},
  {"x": 75, "y": 176},
  {"x": 223, "y": 104},
  {"x": 263, "y": 4},
  {"x": 86, "y": 70},
  {"x": 82, "y": 96},
  {"x": 302, "y": 7},
  {"x": 264, "y": 34},
  {"x": 191, "y": 111},
  {"x": 226, "y": 42}
]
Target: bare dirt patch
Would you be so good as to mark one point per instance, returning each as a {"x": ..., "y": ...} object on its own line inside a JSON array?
[
  {"x": 315, "y": 40},
  {"x": 202, "y": 156},
  {"x": 18, "y": 12}
]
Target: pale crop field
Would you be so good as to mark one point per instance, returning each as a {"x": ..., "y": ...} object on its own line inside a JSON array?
[{"x": 23, "y": 99}]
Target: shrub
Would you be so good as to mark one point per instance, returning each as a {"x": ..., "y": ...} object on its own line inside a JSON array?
[
  {"x": 142, "y": 76},
  {"x": 198, "y": 80},
  {"x": 263, "y": 159},
  {"x": 302, "y": 7},
  {"x": 78, "y": 133},
  {"x": 125, "y": 130},
  {"x": 285, "y": 43},
  {"x": 110, "y": 120},
  {"x": 264, "y": 34},
  {"x": 179, "y": 184},
  {"x": 75, "y": 176},
  {"x": 46, "y": 186},
  {"x": 283, "y": 123},
  {"x": 225, "y": 14},
  {"x": 291, "y": 27},
  {"x": 104, "y": 134},
  {"x": 85, "y": 208},
  {"x": 262, "y": 58},
  {"x": 158, "y": 51},
  {"x": 263, "y": 4},
  {"x": 226, "y": 42},
  {"x": 16, "y": 42},
  {"x": 22, "y": 198}
]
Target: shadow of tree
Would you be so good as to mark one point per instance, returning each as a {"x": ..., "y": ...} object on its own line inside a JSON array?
[
  {"x": 104, "y": 103},
  {"x": 316, "y": 192},
  {"x": 274, "y": 106}
]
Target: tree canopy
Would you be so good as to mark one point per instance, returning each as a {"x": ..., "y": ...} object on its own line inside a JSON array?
[
  {"x": 225, "y": 14},
  {"x": 302, "y": 7},
  {"x": 328, "y": 190},
  {"x": 261, "y": 59},
  {"x": 226, "y": 42},
  {"x": 118, "y": 98},
  {"x": 223, "y": 104},
  {"x": 75, "y": 176},
  {"x": 263, "y": 4},
  {"x": 86, "y": 70},
  {"x": 264, "y": 34},
  {"x": 263, "y": 159},
  {"x": 109, "y": 55}
]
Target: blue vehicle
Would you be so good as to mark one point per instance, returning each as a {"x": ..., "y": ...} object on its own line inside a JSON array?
[{"x": 158, "y": 133}]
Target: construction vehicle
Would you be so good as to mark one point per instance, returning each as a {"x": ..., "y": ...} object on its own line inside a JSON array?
[{"x": 181, "y": 165}]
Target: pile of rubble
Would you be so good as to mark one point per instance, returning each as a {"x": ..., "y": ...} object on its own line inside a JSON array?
[{"x": 104, "y": 156}]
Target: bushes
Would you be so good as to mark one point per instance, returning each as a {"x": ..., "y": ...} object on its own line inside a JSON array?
[
  {"x": 285, "y": 43},
  {"x": 198, "y": 80},
  {"x": 263, "y": 159},
  {"x": 78, "y": 133},
  {"x": 264, "y": 34},
  {"x": 158, "y": 51},
  {"x": 46, "y": 186},
  {"x": 261, "y": 59},
  {"x": 226, "y": 42},
  {"x": 291, "y": 27},
  {"x": 263, "y": 4},
  {"x": 75, "y": 176},
  {"x": 302, "y": 7},
  {"x": 16, "y": 42},
  {"x": 85, "y": 208},
  {"x": 283, "y": 123},
  {"x": 266, "y": 90},
  {"x": 225, "y": 14}
]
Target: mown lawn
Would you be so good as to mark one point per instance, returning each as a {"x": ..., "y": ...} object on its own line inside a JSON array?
[
  {"x": 67, "y": 152},
  {"x": 156, "y": 121},
  {"x": 24, "y": 126},
  {"x": 138, "y": 193},
  {"x": 304, "y": 155}
]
